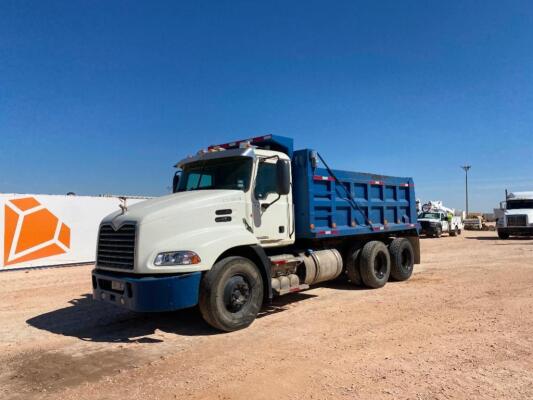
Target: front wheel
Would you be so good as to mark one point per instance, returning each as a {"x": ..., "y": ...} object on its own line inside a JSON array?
[
  {"x": 438, "y": 232},
  {"x": 231, "y": 294},
  {"x": 503, "y": 235}
]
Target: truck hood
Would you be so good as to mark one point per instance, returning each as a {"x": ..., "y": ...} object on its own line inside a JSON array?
[
  {"x": 519, "y": 211},
  {"x": 173, "y": 204},
  {"x": 428, "y": 220}
]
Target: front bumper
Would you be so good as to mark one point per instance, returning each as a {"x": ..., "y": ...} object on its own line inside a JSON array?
[
  {"x": 147, "y": 294},
  {"x": 517, "y": 230},
  {"x": 428, "y": 229}
]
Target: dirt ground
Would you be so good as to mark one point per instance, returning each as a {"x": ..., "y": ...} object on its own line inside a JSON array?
[{"x": 460, "y": 328}]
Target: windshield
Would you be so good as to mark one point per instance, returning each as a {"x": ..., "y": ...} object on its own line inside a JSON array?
[
  {"x": 429, "y": 215},
  {"x": 223, "y": 173},
  {"x": 516, "y": 204}
]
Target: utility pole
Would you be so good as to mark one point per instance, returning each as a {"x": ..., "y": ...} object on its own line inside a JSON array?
[{"x": 466, "y": 168}]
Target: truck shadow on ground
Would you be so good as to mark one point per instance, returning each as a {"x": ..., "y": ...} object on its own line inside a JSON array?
[
  {"x": 99, "y": 322},
  {"x": 482, "y": 238},
  {"x": 343, "y": 284},
  {"x": 496, "y": 238}
]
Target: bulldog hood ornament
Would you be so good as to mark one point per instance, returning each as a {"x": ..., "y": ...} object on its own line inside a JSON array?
[{"x": 123, "y": 206}]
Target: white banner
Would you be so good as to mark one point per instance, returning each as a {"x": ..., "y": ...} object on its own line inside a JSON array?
[{"x": 39, "y": 230}]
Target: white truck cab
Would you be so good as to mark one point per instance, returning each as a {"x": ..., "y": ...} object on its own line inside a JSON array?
[
  {"x": 204, "y": 218},
  {"x": 516, "y": 215}
]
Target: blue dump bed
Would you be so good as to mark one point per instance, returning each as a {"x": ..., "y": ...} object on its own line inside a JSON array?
[
  {"x": 329, "y": 203},
  {"x": 348, "y": 203}
]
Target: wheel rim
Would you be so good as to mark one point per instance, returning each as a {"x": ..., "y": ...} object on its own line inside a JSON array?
[
  {"x": 380, "y": 265},
  {"x": 237, "y": 293},
  {"x": 406, "y": 260}
]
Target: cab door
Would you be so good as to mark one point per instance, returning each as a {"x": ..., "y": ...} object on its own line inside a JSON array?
[
  {"x": 444, "y": 222},
  {"x": 272, "y": 212}
]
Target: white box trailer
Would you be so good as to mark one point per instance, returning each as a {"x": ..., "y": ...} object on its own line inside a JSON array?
[{"x": 41, "y": 230}]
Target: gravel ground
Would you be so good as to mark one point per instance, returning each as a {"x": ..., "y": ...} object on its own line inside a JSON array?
[{"x": 461, "y": 327}]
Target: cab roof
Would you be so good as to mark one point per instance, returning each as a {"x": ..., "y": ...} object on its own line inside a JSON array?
[
  {"x": 520, "y": 196},
  {"x": 282, "y": 144}
]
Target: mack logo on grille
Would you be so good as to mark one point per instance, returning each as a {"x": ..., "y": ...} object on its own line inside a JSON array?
[{"x": 116, "y": 248}]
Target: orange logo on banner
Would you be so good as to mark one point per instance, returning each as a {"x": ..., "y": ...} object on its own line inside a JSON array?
[{"x": 31, "y": 231}]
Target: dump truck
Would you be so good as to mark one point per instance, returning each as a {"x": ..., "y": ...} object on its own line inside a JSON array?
[
  {"x": 516, "y": 216},
  {"x": 250, "y": 220}
]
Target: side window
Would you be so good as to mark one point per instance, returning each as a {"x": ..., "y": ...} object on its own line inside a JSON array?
[{"x": 266, "y": 180}]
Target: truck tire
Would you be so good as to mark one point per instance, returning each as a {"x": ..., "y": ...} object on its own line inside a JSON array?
[
  {"x": 353, "y": 272},
  {"x": 454, "y": 232},
  {"x": 438, "y": 232},
  {"x": 402, "y": 259},
  {"x": 231, "y": 294},
  {"x": 375, "y": 264},
  {"x": 503, "y": 235}
]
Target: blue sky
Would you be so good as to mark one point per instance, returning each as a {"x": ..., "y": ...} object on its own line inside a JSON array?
[{"x": 104, "y": 96}]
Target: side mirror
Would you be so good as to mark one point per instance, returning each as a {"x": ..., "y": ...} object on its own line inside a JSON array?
[
  {"x": 283, "y": 176},
  {"x": 176, "y": 181}
]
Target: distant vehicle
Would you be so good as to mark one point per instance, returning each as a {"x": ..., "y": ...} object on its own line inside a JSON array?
[
  {"x": 474, "y": 222},
  {"x": 477, "y": 221},
  {"x": 516, "y": 215},
  {"x": 250, "y": 220},
  {"x": 435, "y": 219}
]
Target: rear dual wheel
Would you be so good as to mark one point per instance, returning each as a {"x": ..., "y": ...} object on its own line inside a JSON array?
[
  {"x": 374, "y": 264},
  {"x": 402, "y": 259}
]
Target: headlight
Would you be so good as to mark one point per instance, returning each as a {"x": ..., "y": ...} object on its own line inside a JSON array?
[{"x": 177, "y": 258}]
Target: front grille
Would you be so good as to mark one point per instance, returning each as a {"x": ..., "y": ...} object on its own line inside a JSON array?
[
  {"x": 116, "y": 248},
  {"x": 516, "y": 220}
]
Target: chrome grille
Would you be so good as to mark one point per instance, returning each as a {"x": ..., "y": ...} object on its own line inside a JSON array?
[
  {"x": 516, "y": 220},
  {"x": 116, "y": 248},
  {"x": 424, "y": 224}
]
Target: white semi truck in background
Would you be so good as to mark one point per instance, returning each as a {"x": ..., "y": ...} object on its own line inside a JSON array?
[
  {"x": 515, "y": 216},
  {"x": 250, "y": 220}
]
